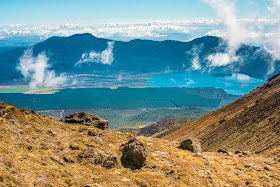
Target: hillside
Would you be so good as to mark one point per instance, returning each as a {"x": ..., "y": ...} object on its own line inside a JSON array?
[
  {"x": 147, "y": 56},
  {"x": 149, "y": 130},
  {"x": 250, "y": 124},
  {"x": 37, "y": 150}
]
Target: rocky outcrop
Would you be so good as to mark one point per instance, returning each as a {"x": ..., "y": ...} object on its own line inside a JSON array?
[
  {"x": 191, "y": 144},
  {"x": 134, "y": 154},
  {"x": 87, "y": 119},
  {"x": 99, "y": 157}
]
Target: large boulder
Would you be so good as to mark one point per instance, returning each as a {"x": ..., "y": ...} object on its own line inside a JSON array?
[
  {"x": 87, "y": 119},
  {"x": 191, "y": 144},
  {"x": 99, "y": 157},
  {"x": 134, "y": 154}
]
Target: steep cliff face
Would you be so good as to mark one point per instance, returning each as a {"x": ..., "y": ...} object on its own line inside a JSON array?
[{"x": 251, "y": 123}]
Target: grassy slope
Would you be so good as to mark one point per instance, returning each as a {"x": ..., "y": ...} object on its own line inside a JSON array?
[
  {"x": 250, "y": 123},
  {"x": 149, "y": 130},
  {"x": 125, "y": 118},
  {"x": 26, "y": 147},
  {"x": 155, "y": 116}
]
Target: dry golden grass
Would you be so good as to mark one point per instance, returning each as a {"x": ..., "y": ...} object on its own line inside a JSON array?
[{"x": 35, "y": 151}]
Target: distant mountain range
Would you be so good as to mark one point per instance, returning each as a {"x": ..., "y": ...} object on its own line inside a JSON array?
[{"x": 137, "y": 56}]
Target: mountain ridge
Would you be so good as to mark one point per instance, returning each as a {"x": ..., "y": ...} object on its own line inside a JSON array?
[
  {"x": 250, "y": 123},
  {"x": 146, "y": 55}
]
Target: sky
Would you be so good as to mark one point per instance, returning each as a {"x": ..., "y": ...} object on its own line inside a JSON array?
[
  {"x": 253, "y": 22},
  {"x": 98, "y": 11}
]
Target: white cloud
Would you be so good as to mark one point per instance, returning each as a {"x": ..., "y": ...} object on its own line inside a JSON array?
[
  {"x": 234, "y": 32},
  {"x": 195, "y": 60},
  {"x": 272, "y": 45},
  {"x": 239, "y": 77},
  {"x": 242, "y": 77},
  {"x": 221, "y": 59},
  {"x": 105, "y": 57},
  {"x": 182, "y": 30},
  {"x": 35, "y": 70},
  {"x": 196, "y": 64}
]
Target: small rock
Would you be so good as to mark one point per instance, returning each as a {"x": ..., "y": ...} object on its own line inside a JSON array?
[
  {"x": 51, "y": 132},
  {"x": 94, "y": 185},
  {"x": 266, "y": 168},
  {"x": 87, "y": 119},
  {"x": 246, "y": 153},
  {"x": 57, "y": 159},
  {"x": 230, "y": 153},
  {"x": 98, "y": 141},
  {"x": 237, "y": 152},
  {"x": 265, "y": 177},
  {"x": 75, "y": 147},
  {"x": 248, "y": 182},
  {"x": 29, "y": 147},
  {"x": 134, "y": 154},
  {"x": 68, "y": 159},
  {"x": 222, "y": 151},
  {"x": 251, "y": 166},
  {"x": 191, "y": 144},
  {"x": 99, "y": 157},
  {"x": 92, "y": 133}
]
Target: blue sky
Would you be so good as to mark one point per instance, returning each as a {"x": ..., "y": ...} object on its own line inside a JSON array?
[{"x": 97, "y": 11}]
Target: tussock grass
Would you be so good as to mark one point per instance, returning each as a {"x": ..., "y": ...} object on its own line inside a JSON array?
[{"x": 43, "y": 151}]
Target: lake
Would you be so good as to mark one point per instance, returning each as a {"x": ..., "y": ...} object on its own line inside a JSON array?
[{"x": 232, "y": 83}]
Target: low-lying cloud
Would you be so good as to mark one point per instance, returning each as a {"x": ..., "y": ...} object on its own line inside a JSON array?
[
  {"x": 221, "y": 59},
  {"x": 36, "y": 71},
  {"x": 273, "y": 45},
  {"x": 195, "y": 60},
  {"x": 105, "y": 57},
  {"x": 234, "y": 32}
]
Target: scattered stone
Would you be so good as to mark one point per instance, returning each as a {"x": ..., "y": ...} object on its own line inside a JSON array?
[
  {"x": 251, "y": 166},
  {"x": 98, "y": 141},
  {"x": 207, "y": 158},
  {"x": 93, "y": 133},
  {"x": 68, "y": 158},
  {"x": 237, "y": 152},
  {"x": 266, "y": 168},
  {"x": 134, "y": 154},
  {"x": 265, "y": 177},
  {"x": 87, "y": 119},
  {"x": 248, "y": 182},
  {"x": 75, "y": 147},
  {"x": 222, "y": 151},
  {"x": 29, "y": 147},
  {"x": 205, "y": 174},
  {"x": 171, "y": 172},
  {"x": 191, "y": 144},
  {"x": 94, "y": 185},
  {"x": 51, "y": 132},
  {"x": 230, "y": 153},
  {"x": 57, "y": 159},
  {"x": 246, "y": 153},
  {"x": 99, "y": 157}
]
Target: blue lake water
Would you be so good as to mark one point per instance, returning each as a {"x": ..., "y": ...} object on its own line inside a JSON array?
[{"x": 232, "y": 83}]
